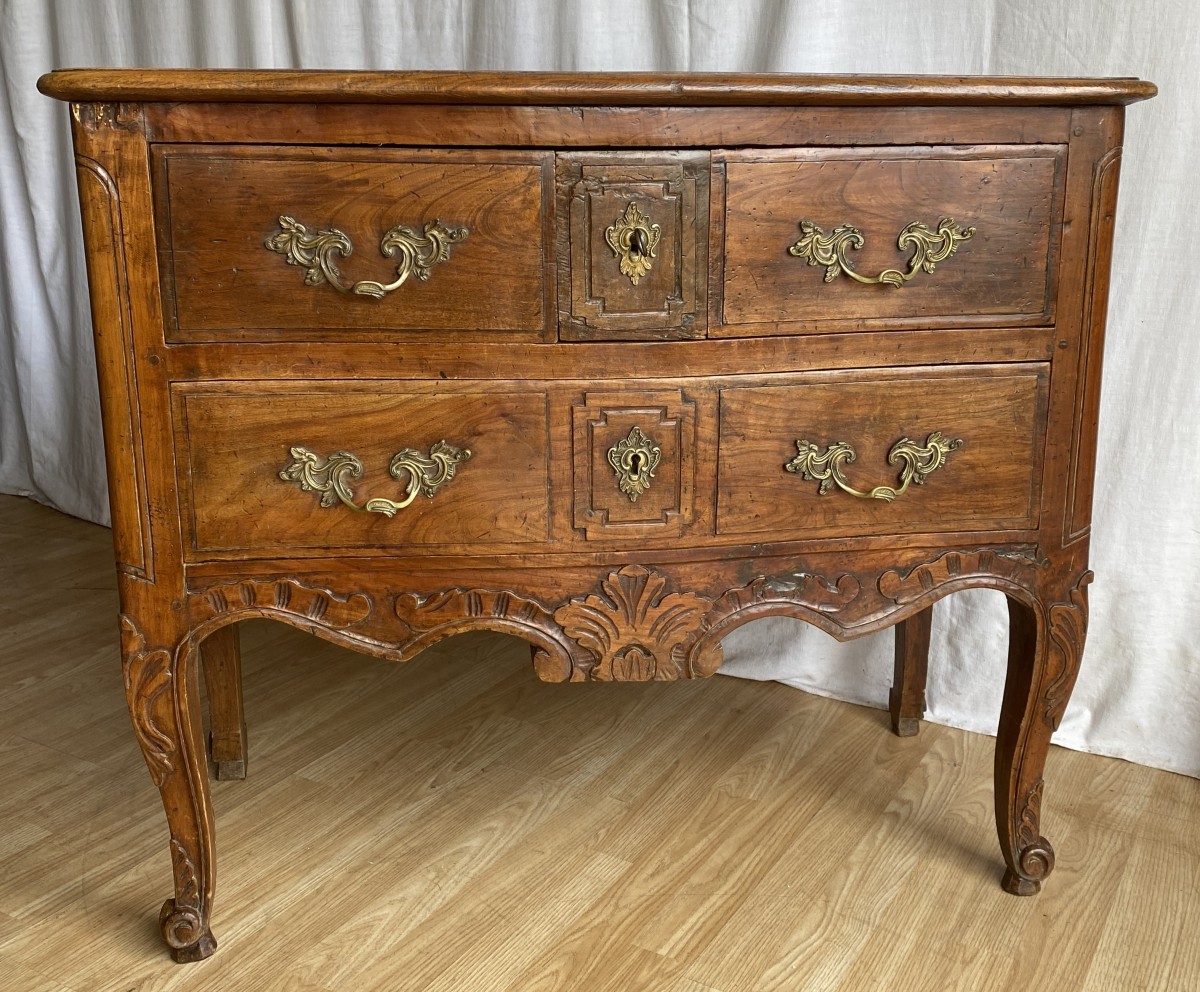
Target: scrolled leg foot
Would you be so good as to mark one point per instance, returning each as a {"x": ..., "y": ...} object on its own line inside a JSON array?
[
  {"x": 186, "y": 934},
  {"x": 1034, "y": 864}
]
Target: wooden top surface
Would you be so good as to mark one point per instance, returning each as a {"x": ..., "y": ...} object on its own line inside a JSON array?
[{"x": 591, "y": 89}]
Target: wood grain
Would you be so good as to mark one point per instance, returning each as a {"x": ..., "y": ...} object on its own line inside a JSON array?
[
  {"x": 238, "y": 441},
  {"x": 219, "y": 206},
  {"x": 222, "y": 663},
  {"x": 598, "y": 301},
  {"x": 1005, "y": 270},
  {"x": 668, "y": 506},
  {"x": 425, "y": 126},
  {"x": 906, "y": 702},
  {"x": 990, "y": 481},
  {"x": 606, "y": 89}
]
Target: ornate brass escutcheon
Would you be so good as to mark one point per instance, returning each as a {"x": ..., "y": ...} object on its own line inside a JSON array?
[
  {"x": 634, "y": 459},
  {"x": 419, "y": 253},
  {"x": 828, "y": 467},
  {"x": 929, "y": 248},
  {"x": 422, "y": 474},
  {"x": 633, "y": 239}
]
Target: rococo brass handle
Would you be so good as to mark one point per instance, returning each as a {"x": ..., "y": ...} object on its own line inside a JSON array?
[
  {"x": 929, "y": 248},
  {"x": 314, "y": 252},
  {"x": 421, "y": 473},
  {"x": 919, "y": 461}
]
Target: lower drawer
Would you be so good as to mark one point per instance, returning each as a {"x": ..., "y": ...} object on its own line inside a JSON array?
[
  {"x": 282, "y": 467},
  {"x": 883, "y": 452}
]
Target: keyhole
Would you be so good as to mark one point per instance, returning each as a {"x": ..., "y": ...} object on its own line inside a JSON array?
[
  {"x": 637, "y": 241},
  {"x": 635, "y": 465}
]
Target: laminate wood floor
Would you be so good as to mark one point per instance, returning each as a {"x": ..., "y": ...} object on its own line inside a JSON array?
[{"x": 454, "y": 824}]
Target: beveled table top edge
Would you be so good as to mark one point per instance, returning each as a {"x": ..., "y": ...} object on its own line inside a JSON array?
[{"x": 584, "y": 88}]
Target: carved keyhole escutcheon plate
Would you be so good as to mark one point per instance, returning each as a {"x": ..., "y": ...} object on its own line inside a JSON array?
[
  {"x": 633, "y": 240},
  {"x": 634, "y": 459}
]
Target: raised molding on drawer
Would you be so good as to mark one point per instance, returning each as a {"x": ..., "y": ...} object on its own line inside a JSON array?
[
  {"x": 1004, "y": 274},
  {"x": 235, "y": 439},
  {"x": 603, "y": 420},
  {"x": 217, "y": 205},
  {"x": 991, "y": 482}
]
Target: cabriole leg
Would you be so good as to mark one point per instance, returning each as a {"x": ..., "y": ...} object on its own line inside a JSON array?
[
  {"x": 907, "y": 699},
  {"x": 1045, "y": 645},
  {"x": 163, "y": 692},
  {"x": 223, "y": 681}
]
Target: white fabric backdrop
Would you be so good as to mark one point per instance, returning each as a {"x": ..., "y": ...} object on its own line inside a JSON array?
[{"x": 1139, "y": 692}]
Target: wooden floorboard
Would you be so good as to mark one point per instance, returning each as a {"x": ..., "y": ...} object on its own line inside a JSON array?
[{"x": 453, "y": 825}]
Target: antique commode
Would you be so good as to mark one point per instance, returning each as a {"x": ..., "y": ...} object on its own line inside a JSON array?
[{"x": 618, "y": 363}]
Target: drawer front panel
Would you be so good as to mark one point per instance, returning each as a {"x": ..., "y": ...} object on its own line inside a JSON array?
[
  {"x": 219, "y": 208},
  {"x": 235, "y": 441},
  {"x": 635, "y": 459},
  {"x": 857, "y": 205},
  {"x": 991, "y": 425},
  {"x": 633, "y": 241}
]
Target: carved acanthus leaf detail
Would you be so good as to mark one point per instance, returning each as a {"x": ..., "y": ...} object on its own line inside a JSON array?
[
  {"x": 1035, "y": 856},
  {"x": 812, "y": 591},
  {"x": 1028, "y": 828},
  {"x": 762, "y": 596},
  {"x": 187, "y": 887},
  {"x": 633, "y": 628},
  {"x": 499, "y": 610},
  {"x": 148, "y": 675},
  {"x": 1067, "y": 630},
  {"x": 282, "y": 596},
  {"x": 182, "y": 918},
  {"x": 955, "y": 567},
  {"x": 427, "y": 612}
]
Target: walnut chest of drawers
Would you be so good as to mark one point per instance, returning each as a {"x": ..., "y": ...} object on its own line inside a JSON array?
[{"x": 612, "y": 363}]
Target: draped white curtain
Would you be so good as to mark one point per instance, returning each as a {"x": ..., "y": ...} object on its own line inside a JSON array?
[{"x": 1139, "y": 692}]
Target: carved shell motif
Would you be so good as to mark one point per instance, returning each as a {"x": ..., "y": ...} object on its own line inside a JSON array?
[{"x": 635, "y": 630}]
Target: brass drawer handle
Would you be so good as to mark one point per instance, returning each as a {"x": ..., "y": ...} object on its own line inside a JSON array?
[
  {"x": 314, "y": 252},
  {"x": 929, "y": 248},
  {"x": 425, "y": 473},
  {"x": 920, "y": 461},
  {"x": 633, "y": 239}
]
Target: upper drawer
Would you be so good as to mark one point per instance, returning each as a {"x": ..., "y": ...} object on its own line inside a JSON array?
[
  {"x": 633, "y": 243},
  {"x": 254, "y": 242},
  {"x": 960, "y": 236}
]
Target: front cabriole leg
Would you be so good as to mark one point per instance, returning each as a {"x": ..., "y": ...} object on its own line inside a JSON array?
[
  {"x": 1046, "y": 638},
  {"x": 163, "y": 693}
]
